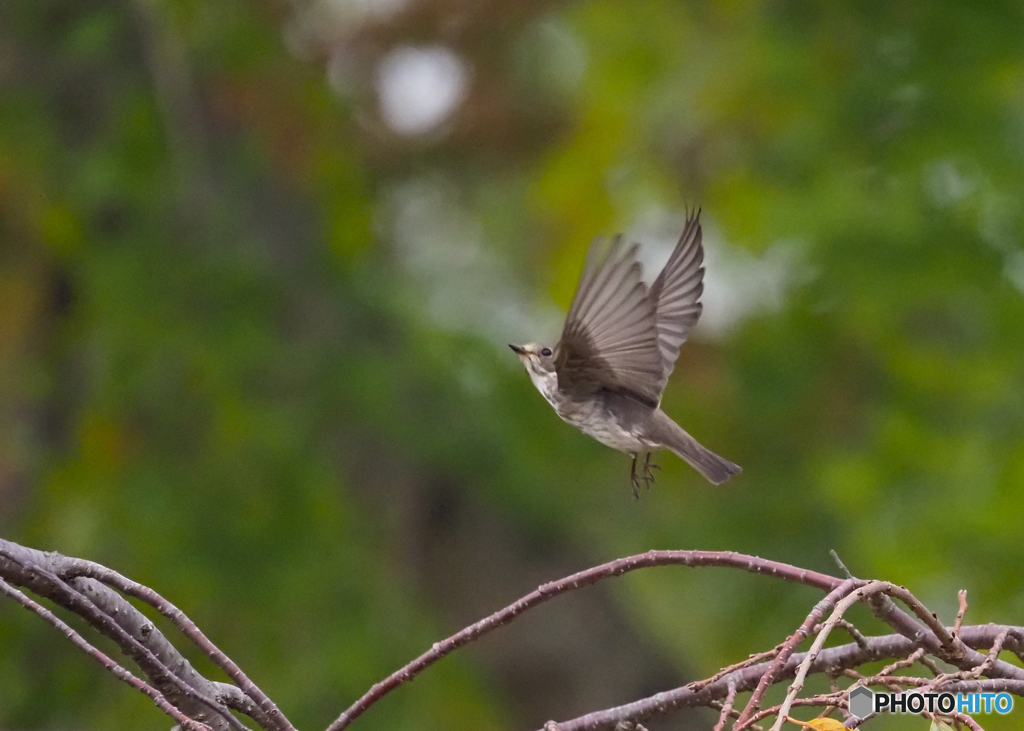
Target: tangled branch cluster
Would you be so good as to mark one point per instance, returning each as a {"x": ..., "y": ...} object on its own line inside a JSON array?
[{"x": 970, "y": 653}]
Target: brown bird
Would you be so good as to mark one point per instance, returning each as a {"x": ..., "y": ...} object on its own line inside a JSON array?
[{"x": 619, "y": 346}]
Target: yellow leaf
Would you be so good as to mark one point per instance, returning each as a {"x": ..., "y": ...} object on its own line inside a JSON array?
[
  {"x": 939, "y": 726},
  {"x": 819, "y": 724},
  {"x": 825, "y": 724}
]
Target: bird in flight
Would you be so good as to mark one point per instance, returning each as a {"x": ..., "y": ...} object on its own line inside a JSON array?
[{"x": 618, "y": 347}]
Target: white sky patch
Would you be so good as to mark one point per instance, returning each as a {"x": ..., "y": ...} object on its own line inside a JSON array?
[
  {"x": 947, "y": 184},
  {"x": 420, "y": 87},
  {"x": 468, "y": 286},
  {"x": 737, "y": 284},
  {"x": 1015, "y": 269},
  {"x": 997, "y": 223}
]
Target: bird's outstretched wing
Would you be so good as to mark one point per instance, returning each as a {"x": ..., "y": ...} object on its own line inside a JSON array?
[
  {"x": 611, "y": 336},
  {"x": 676, "y": 294}
]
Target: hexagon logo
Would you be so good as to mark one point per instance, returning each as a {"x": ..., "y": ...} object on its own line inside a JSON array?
[{"x": 862, "y": 701}]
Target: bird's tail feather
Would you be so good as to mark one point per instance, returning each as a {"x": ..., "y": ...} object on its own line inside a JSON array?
[{"x": 674, "y": 437}]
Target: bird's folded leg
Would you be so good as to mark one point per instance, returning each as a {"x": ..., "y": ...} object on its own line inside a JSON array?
[
  {"x": 648, "y": 476},
  {"x": 634, "y": 478}
]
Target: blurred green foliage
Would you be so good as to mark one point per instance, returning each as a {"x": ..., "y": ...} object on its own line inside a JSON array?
[{"x": 252, "y": 340}]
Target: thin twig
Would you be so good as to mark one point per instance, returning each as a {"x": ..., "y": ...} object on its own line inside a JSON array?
[
  {"x": 830, "y": 660},
  {"x": 966, "y": 721},
  {"x": 981, "y": 669},
  {"x": 906, "y": 662},
  {"x": 840, "y": 564},
  {"x": 855, "y": 634},
  {"x": 70, "y": 597},
  {"x": 895, "y": 683},
  {"x": 74, "y": 584},
  {"x": 733, "y": 713},
  {"x": 851, "y": 630},
  {"x": 837, "y": 594},
  {"x": 932, "y": 666},
  {"x": 961, "y": 654},
  {"x": 952, "y": 644},
  {"x": 81, "y": 567},
  {"x": 590, "y": 576},
  {"x": 117, "y": 670},
  {"x": 962, "y": 599},
  {"x": 825, "y": 699},
  {"x": 993, "y": 653},
  {"x": 752, "y": 660},
  {"x": 723, "y": 716},
  {"x": 841, "y": 608}
]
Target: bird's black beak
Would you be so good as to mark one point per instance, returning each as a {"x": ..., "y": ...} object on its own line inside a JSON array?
[{"x": 519, "y": 349}]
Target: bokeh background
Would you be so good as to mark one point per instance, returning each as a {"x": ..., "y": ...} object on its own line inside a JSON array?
[{"x": 259, "y": 262}]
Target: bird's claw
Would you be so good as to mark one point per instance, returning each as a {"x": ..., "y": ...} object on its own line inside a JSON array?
[{"x": 646, "y": 477}]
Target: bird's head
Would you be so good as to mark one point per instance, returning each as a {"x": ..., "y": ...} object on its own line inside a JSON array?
[{"x": 539, "y": 361}]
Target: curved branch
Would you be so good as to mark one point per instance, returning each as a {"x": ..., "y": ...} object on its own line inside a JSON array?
[
  {"x": 72, "y": 567},
  {"x": 115, "y": 617},
  {"x": 956, "y": 652},
  {"x": 772, "y": 673},
  {"x": 579, "y": 580},
  {"x": 119, "y": 672},
  {"x": 88, "y": 589},
  {"x": 831, "y": 660}
]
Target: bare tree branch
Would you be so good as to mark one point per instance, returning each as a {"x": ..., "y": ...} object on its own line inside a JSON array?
[
  {"x": 80, "y": 567},
  {"x": 197, "y": 703},
  {"x": 134, "y": 634},
  {"x": 962, "y": 599},
  {"x": 837, "y": 614},
  {"x": 138, "y": 638},
  {"x": 830, "y": 661},
  {"x": 840, "y": 592},
  {"x": 730, "y": 699},
  {"x": 121, "y": 673},
  {"x": 548, "y": 591}
]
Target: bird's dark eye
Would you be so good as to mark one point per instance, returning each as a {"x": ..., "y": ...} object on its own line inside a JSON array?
[{"x": 545, "y": 352}]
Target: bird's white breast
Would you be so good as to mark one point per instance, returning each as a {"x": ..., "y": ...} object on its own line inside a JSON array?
[
  {"x": 590, "y": 417},
  {"x": 593, "y": 419},
  {"x": 547, "y": 383}
]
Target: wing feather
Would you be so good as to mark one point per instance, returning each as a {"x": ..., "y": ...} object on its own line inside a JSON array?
[
  {"x": 621, "y": 335},
  {"x": 677, "y": 292},
  {"x": 610, "y": 338}
]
